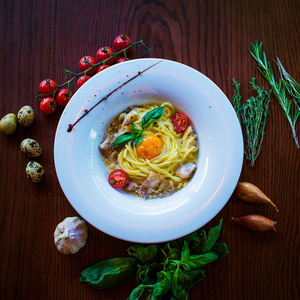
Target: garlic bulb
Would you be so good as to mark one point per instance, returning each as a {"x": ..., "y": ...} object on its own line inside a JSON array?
[{"x": 70, "y": 235}]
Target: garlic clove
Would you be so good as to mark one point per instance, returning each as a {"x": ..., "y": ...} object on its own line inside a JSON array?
[{"x": 70, "y": 235}]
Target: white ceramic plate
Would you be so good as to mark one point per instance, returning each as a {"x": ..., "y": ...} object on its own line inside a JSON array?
[{"x": 82, "y": 174}]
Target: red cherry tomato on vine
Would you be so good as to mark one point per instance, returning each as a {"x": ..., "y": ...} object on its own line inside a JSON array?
[
  {"x": 180, "y": 122},
  {"x": 104, "y": 53},
  {"x": 101, "y": 68},
  {"x": 47, "y": 86},
  {"x": 63, "y": 97},
  {"x": 48, "y": 105},
  {"x": 86, "y": 62},
  {"x": 122, "y": 59},
  {"x": 117, "y": 178},
  {"x": 82, "y": 80},
  {"x": 121, "y": 42}
]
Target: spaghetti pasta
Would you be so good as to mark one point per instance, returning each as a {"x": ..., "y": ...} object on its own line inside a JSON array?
[{"x": 162, "y": 175}]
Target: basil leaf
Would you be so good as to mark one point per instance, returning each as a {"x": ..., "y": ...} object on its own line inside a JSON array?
[
  {"x": 142, "y": 252},
  {"x": 148, "y": 273},
  {"x": 148, "y": 291},
  {"x": 174, "y": 285},
  {"x": 139, "y": 139},
  {"x": 193, "y": 277},
  {"x": 165, "y": 279},
  {"x": 152, "y": 116},
  {"x": 185, "y": 253},
  {"x": 140, "y": 291},
  {"x": 134, "y": 128},
  {"x": 110, "y": 272},
  {"x": 198, "y": 261},
  {"x": 213, "y": 235},
  {"x": 138, "y": 132},
  {"x": 124, "y": 138},
  {"x": 220, "y": 249}
]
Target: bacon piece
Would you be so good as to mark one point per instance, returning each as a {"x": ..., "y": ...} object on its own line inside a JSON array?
[
  {"x": 129, "y": 117},
  {"x": 133, "y": 186},
  {"x": 185, "y": 170},
  {"x": 167, "y": 186},
  {"x": 106, "y": 144},
  {"x": 150, "y": 184}
]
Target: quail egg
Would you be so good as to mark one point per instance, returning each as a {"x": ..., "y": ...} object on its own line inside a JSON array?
[
  {"x": 25, "y": 116},
  {"x": 31, "y": 147},
  {"x": 8, "y": 124},
  {"x": 35, "y": 172}
]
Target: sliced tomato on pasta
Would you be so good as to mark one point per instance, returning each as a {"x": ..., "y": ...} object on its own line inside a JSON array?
[
  {"x": 117, "y": 178},
  {"x": 180, "y": 122}
]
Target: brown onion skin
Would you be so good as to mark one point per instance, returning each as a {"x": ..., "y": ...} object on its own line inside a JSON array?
[
  {"x": 250, "y": 193},
  {"x": 256, "y": 223}
]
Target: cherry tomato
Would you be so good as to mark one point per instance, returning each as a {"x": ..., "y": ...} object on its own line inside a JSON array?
[
  {"x": 121, "y": 42},
  {"x": 47, "y": 86},
  {"x": 82, "y": 80},
  {"x": 104, "y": 53},
  {"x": 122, "y": 59},
  {"x": 86, "y": 62},
  {"x": 117, "y": 178},
  {"x": 63, "y": 97},
  {"x": 101, "y": 68},
  {"x": 48, "y": 105},
  {"x": 180, "y": 122}
]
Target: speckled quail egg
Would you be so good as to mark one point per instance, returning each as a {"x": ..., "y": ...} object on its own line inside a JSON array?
[
  {"x": 35, "y": 172},
  {"x": 25, "y": 116},
  {"x": 31, "y": 147},
  {"x": 8, "y": 124}
]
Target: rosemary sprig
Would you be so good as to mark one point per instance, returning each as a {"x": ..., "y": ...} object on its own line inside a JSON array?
[
  {"x": 84, "y": 73},
  {"x": 253, "y": 114},
  {"x": 290, "y": 83},
  {"x": 290, "y": 111}
]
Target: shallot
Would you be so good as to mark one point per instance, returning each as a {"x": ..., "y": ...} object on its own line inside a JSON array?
[
  {"x": 256, "y": 222},
  {"x": 250, "y": 193}
]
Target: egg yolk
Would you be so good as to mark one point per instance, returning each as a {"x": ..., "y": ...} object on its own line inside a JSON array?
[{"x": 150, "y": 147}]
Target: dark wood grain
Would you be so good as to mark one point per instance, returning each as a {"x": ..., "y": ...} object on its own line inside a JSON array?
[{"x": 39, "y": 38}]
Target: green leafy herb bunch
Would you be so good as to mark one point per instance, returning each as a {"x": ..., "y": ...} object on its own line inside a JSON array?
[{"x": 163, "y": 271}]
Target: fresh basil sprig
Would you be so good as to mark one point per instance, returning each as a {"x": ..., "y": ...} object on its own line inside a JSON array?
[
  {"x": 138, "y": 135},
  {"x": 163, "y": 271}
]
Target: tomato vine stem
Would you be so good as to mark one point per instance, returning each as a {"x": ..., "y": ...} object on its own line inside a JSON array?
[{"x": 84, "y": 73}]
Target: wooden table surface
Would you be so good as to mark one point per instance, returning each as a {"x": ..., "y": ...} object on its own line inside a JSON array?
[{"x": 40, "y": 38}]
